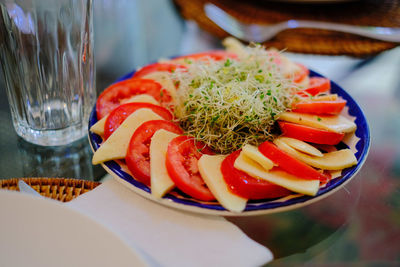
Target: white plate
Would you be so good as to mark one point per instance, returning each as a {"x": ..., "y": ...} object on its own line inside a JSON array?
[{"x": 44, "y": 232}]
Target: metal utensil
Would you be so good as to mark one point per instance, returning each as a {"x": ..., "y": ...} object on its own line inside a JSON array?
[
  {"x": 263, "y": 32},
  {"x": 25, "y": 188}
]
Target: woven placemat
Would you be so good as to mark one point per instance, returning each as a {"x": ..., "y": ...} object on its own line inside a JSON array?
[
  {"x": 382, "y": 13},
  {"x": 61, "y": 189}
]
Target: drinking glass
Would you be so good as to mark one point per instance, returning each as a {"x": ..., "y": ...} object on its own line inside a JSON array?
[{"x": 46, "y": 54}]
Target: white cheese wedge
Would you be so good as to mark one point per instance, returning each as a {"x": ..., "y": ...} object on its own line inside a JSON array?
[
  {"x": 235, "y": 46},
  {"x": 253, "y": 153},
  {"x": 243, "y": 162},
  {"x": 161, "y": 182},
  {"x": 284, "y": 179},
  {"x": 143, "y": 98},
  {"x": 115, "y": 147},
  {"x": 98, "y": 127},
  {"x": 335, "y": 160},
  {"x": 301, "y": 146},
  {"x": 290, "y": 68},
  {"x": 329, "y": 97},
  {"x": 210, "y": 170},
  {"x": 337, "y": 123},
  {"x": 163, "y": 78}
]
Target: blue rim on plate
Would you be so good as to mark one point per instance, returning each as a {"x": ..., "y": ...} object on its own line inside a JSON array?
[{"x": 179, "y": 200}]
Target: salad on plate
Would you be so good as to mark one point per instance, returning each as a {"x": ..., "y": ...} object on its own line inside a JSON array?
[{"x": 226, "y": 127}]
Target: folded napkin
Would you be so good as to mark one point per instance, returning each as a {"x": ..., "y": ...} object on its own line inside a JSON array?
[{"x": 169, "y": 237}]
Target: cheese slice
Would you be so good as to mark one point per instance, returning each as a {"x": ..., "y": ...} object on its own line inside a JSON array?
[
  {"x": 163, "y": 78},
  {"x": 210, "y": 170},
  {"x": 143, "y": 98},
  {"x": 329, "y": 97},
  {"x": 115, "y": 147},
  {"x": 335, "y": 160},
  {"x": 98, "y": 127},
  {"x": 301, "y": 146},
  {"x": 337, "y": 123},
  {"x": 290, "y": 68},
  {"x": 253, "y": 153},
  {"x": 235, "y": 46},
  {"x": 161, "y": 182},
  {"x": 284, "y": 179}
]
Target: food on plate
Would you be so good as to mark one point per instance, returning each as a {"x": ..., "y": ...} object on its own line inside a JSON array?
[
  {"x": 277, "y": 176},
  {"x": 228, "y": 126},
  {"x": 137, "y": 157},
  {"x": 160, "y": 182},
  {"x": 232, "y": 102},
  {"x": 290, "y": 164},
  {"x": 329, "y": 107},
  {"x": 120, "y": 92},
  {"x": 183, "y": 154},
  {"x": 255, "y": 154},
  {"x": 310, "y": 134},
  {"x": 338, "y": 124},
  {"x": 98, "y": 127},
  {"x": 157, "y": 68},
  {"x": 116, "y": 146},
  {"x": 245, "y": 185},
  {"x": 119, "y": 114},
  {"x": 315, "y": 86},
  {"x": 210, "y": 169},
  {"x": 301, "y": 146},
  {"x": 335, "y": 160}
]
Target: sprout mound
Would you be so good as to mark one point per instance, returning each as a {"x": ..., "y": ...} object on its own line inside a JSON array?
[{"x": 229, "y": 103}]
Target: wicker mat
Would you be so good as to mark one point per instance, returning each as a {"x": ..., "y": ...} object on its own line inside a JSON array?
[
  {"x": 384, "y": 13},
  {"x": 61, "y": 189}
]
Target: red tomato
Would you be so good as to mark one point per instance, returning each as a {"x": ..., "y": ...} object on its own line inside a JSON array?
[
  {"x": 332, "y": 107},
  {"x": 216, "y": 55},
  {"x": 301, "y": 74},
  {"x": 290, "y": 164},
  {"x": 317, "y": 85},
  {"x": 138, "y": 154},
  {"x": 244, "y": 185},
  {"x": 182, "y": 156},
  {"x": 157, "y": 67},
  {"x": 118, "y": 115},
  {"x": 111, "y": 97},
  {"x": 310, "y": 134}
]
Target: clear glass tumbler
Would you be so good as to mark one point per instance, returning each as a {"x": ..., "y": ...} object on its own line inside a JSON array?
[{"x": 46, "y": 54}]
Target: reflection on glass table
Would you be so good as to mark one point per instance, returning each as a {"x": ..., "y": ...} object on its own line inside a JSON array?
[{"x": 22, "y": 159}]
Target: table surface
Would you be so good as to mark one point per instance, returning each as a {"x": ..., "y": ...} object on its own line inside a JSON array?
[{"x": 359, "y": 224}]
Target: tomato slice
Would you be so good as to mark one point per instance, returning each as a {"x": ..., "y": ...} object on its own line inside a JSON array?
[
  {"x": 301, "y": 73},
  {"x": 119, "y": 114},
  {"x": 112, "y": 96},
  {"x": 332, "y": 107},
  {"x": 137, "y": 157},
  {"x": 310, "y": 134},
  {"x": 182, "y": 156},
  {"x": 290, "y": 164},
  {"x": 170, "y": 67},
  {"x": 244, "y": 185},
  {"x": 215, "y": 54},
  {"x": 317, "y": 85}
]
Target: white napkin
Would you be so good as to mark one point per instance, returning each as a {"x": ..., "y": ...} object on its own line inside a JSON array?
[{"x": 169, "y": 237}]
